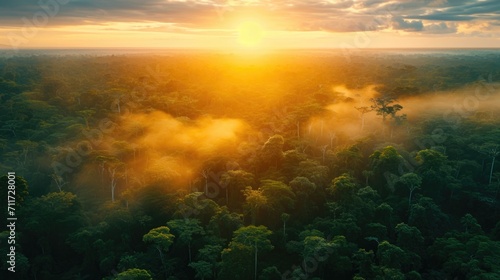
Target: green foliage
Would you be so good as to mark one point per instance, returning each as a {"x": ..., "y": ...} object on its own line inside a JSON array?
[
  {"x": 470, "y": 256},
  {"x": 343, "y": 188},
  {"x": 159, "y": 237},
  {"x": 314, "y": 171},
  {"x": 427, "y": 217},
  {"x": 393, "y": 257},
  {"x": 254, "y": 200},
  {"x": 314, "y": 245},
  {"x": 203, "y": 269},
  {"x": 386, "y": 273},
  {"x": 291, "y": 161},
  {"x": 334, "y": 200},
  {"x": 411, "y": 180},
  {"x": 224, "y": 223},
  {"x": 184, "y": 229},
  {"x": 236, "y": 262},
  {"x": 387, "y": 159},
  {"x": 409, "y": 238},
  {"x": 430, "y": 159},
  {"x": 364, "y": 262},
  {"x": 384, "y": 106},
  {"x": 254, "y": 237},
  {"x": 306, "y": 193},
  {"x": 54, "y": 214},
  {"x": 349, "y": 158},
  {"x": 279, "y": 199},
  {"x": 272, "y": 151},
  {"x": 376, "y": 230},
  {"x": 270, "y": 273},
  {"x": 196, "y": 205},
  {"x": 134, "y": 274},
  {"x": 470, "y": 224},
  {"x": 247, "y": 241},
  {"x": 234, "y": 182}
]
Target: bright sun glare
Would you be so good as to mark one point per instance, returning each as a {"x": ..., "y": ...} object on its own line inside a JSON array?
[{"x": 250, "y": 34}]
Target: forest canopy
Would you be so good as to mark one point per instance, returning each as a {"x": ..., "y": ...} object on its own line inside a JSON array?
[{"x": 292, "y": 165}]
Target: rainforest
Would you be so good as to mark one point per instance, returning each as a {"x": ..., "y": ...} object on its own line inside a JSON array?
[{"x": 297, "y": 164}]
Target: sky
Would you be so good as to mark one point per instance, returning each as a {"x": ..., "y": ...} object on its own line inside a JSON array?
[{"x": 269, "y": 24}]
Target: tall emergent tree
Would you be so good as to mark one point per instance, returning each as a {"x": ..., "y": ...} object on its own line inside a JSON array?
[
  {"x": 272, "y": 151},
  {"x": 255, "y": 200},
  {"x": 384, "y": 106},
  {"x": 491, "y": 150},
  {"x": 412, "y": 181},
  {"x": 161, "y": 239},
  {"x": 363, "y": 110},
  {"x": 185, "y": 229},
  {"x": 248, "y": 239}
]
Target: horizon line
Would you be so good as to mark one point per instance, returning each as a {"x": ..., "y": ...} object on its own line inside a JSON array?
[{"x": 6, "y": 47}]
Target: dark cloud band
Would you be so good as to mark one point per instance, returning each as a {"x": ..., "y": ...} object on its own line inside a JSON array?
[{"x": 338, "y": 16}]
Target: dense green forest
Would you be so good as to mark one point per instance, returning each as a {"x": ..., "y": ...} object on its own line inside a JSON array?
[{"x": 293, "y": 165}]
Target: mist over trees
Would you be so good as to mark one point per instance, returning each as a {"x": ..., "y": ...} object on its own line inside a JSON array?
[{"x": 280, "y": 166}]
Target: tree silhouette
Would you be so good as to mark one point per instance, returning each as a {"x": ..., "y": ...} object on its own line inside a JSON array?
[
  {"x": 412, "y": 181},
  {"x": 185, "y": 229},
  {"x": 363, "y": 110},
  {"x": 161, "y": 239},
  {"x": 253, "y": 237},
  {"x": 255, "y": 200},
  {"x": 384, "y": 106},
  {"x": 491, "y": 150}
]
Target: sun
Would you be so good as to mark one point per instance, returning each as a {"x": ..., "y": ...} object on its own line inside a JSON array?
[{"x": 250, "y": 34}]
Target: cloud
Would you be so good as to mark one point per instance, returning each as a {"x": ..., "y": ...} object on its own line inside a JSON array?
[
  {"x": 445, "y": 17},
  {"x": 463, "y": 11},
  {"x": 401, "y": 24},
  {"x": 298, "y": 15},
  {"x": 79, "y": 12},
  {"x": 440, "y": 28}
]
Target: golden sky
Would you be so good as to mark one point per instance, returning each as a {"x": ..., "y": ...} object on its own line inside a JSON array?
[{"x": 253, "y": 24}]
